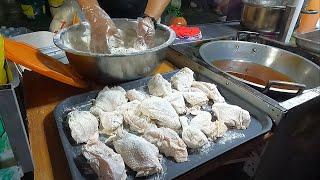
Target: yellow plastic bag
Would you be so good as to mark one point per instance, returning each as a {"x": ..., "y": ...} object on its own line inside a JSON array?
[
  {"x": 55, "y": 3},
  {"x": 3, "y": 74}
]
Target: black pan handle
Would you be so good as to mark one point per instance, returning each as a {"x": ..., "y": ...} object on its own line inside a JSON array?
[{"x": 298, "y": 86}]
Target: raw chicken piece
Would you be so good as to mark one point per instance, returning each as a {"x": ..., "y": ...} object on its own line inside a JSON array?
[
  {"x": 104, "y": 161},
  {"x": 194, "y": 110},
  {"x": 210, "y": 90},
  {"x": 106, "y": 88},
  {"x": 196, "y": 98},
  {"x": 132, "y": 105},
  {"x": 109, "y": 99},
  {"x": 233, "y": 116},
  {"x": 168, "y": 142},
  {"x": 183, "y": 79},
  {"x": 219, "y": 128},
  {"x": 133, "y": 117},
  {"x": 194, "y": 89},
  {"x": 137, "y": 123},
  {"x": 177, "y": 101},
  {"x": 203, "y": 122},
  {"x": 83, "y": 126},
  {"x": 162, "y": 111},
  {"x": 110, "y": 121},
  {"x": 139, "y": 154},
  {"x": 193, "y": 137},
  {"x": 136, "y": 95},
  {"x": 158, "y": 86}
]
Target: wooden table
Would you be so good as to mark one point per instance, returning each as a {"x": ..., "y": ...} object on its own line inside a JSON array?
[{"x": 41, "y": 95}]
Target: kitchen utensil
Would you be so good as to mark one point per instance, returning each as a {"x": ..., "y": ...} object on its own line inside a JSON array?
[
  {"x": 258, "y": 64},
  {"x": 262, "y": 15},
  {"x": 309, "y": 41},
  {"x": 113, "y": 67},
  {"x": 33, "y": 59},
  {"x": 260, "y": 124}
]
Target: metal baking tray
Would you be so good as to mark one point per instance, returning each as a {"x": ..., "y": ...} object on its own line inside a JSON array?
[
  {"x": 260, "y": 124},
  {"x": 309, "y": 41}
]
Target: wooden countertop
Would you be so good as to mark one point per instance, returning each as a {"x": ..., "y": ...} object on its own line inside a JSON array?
[{"x": 41, "y": 95}]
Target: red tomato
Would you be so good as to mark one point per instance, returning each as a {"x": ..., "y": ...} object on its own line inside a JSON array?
[{"x": 178, "y": 21}]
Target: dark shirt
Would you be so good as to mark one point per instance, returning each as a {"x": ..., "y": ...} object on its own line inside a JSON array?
[{"x": 124, "y": 8}]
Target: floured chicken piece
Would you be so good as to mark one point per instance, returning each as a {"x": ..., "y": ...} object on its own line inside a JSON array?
[
  {"x": 203, "y": 122},
  {"x": 136, "y": 95},
  {"x": 137, "y": 123},
  {"x": 158, "y": 86},
  {"x": 83, "y": 126},
  {"x": 196, "y": 98},
  {"x": 104, "y": 161},
  {"x": 109, "y": 99},
  {"x": 110, "y": 121},
  {"x": 133, "y": 117},
  {"x": 210, "y": 90},
  {"x": 194, "y": 110},
  {"x": 139, "y": 154},
  {"x": 132, "y": 105},
  {"x": 193, "y": 137},
  {"x": 177, "y": 101},
  {"x": 162, "y": 111},
  {"x": 106, "y": 88},
  {"x": 219, "y": 128},
  {"x": 194, "y": 89},
  {"x": 233, "y": 116},
  {"x": 183, "y": 79},
  {"x": 168, "y": 142}
]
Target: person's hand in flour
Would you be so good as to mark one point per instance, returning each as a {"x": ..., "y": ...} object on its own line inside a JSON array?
[{"x": 104, "y": 33}]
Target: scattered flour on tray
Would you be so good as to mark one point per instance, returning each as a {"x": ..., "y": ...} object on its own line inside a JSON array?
[
  {"x": 206, "y": 148},
  {"x": 229, "y": 136}
]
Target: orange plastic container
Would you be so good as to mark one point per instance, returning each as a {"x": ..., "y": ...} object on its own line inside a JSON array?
[{"x": 308, "y": 21}]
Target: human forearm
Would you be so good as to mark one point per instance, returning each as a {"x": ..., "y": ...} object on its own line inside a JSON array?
[
  {"x": 93, "y": 13},
  {"x": 156, "y": 7},
  {"x": 102, "y": 27}
]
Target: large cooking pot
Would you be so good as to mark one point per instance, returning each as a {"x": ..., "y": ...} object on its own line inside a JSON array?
[
  {"x": 107, "y": 68},
  {"x": 264, "y": 67},
  {"x": 262, "y": 15}
]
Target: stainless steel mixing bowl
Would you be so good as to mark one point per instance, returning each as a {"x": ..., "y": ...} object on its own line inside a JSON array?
[{"x": 108, "y": 68}]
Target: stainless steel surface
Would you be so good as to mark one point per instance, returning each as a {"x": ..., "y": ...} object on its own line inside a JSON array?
[
  {"x": 295, "y": 67},
  {"x": 262, "y": 18},
  {"x": 108, "y": 67},
  {"x": 210, "y": 32},
  {"x": 11, "y": 113},
  {"x": 285, "y": 22},
  {"x": 300, "y": 87},
  {"x": 309, "y": 41}
]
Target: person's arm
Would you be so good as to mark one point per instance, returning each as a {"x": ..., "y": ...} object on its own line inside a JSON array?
[
  {"x": 146, "y": 29},
  {"x": 101, "y": 25},
  {"x": 156, "y": 7}
]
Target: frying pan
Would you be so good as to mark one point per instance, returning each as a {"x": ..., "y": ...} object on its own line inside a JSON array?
[{"x": 271, "y": 70}]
